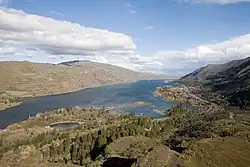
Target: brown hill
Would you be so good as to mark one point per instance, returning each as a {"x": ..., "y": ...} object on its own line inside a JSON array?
[{"x": 36, "y": 79}]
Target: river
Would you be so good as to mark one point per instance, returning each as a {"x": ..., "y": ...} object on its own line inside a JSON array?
[{"x": 103, "y": 96}]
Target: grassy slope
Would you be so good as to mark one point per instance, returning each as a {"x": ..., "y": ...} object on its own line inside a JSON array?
[
  {"x": 43, "y": 79},
  {"x": 220, "y": 152}
]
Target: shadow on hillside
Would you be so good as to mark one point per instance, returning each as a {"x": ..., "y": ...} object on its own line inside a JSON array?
[{"x": 118, "y": 162}]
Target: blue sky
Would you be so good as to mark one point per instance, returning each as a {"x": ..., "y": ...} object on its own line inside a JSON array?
[{"x": 167, "y": 36}]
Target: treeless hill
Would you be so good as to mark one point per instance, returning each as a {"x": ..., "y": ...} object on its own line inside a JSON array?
[{"x": 38, "y": 79}]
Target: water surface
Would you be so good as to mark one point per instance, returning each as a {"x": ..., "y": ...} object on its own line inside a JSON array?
[
  {"x": 64, "y": 125},
  {"x": 104, "y": 96}
]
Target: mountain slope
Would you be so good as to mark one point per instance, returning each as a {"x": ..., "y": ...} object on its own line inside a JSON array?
[
  {"x": 42, "y": 79},
  {"x": 231, "y": 80}
]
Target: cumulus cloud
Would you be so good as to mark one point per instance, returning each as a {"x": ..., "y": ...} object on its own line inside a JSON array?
[
  {"x": 172, "y": 62},
  {"x": 47, "y": 40},
  {"x": 222, "y": 2},
  {"x": 58, "y": 37},
  {"x": 192, "y": 58}
]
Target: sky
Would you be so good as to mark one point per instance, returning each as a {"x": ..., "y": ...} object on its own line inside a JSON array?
[{"x": 171, "y": 37}]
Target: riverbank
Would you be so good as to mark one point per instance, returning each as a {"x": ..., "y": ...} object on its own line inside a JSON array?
[
  {"x": 159, "y": 112},
  {"x": 10, "y": 99},
  {"x": 189, "y": 95},
  {"x": 4, "y": 105}
]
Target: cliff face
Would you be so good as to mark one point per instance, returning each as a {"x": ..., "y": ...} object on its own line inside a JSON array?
[
  {"x": 42, "y": 79},
  {"x": 232, "y": 80}
]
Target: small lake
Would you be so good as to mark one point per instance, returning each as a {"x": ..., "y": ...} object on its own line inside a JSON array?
[
  {"x": 104, "y": 96},
  {"x": 64, "y": 125}
]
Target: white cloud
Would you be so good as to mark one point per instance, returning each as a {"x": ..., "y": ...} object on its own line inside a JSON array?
[
  {"x": 7, "y": 50},
  {"x": 148, "y": 27},
  {"x": 58, "y": 37},
  {"x": 222, "y": 2},
  {"x": 172, "y": 62},
  {"x": 55, "y": 13},
  {"x": 192, "y": 58},
  {"x": 49, "y": 40}
]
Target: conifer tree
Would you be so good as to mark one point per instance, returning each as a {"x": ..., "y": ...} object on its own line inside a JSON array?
[
  {"x": 89, "y": 137},
  {"x": 74, "y": 152},
  {"x": 82, "y": 157},
  {"x": 66, "y": 147},
  {"x": 53, "y": 152},
  {"x": 83, "y": 138},
  {"x": 77, "y": 139},
  {"x": 61, "y": 150},
  {"x": 117, "y": 135},
  {"x": 102, "y": 139}
]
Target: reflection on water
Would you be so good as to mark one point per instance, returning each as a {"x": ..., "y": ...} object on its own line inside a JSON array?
[{"x": 104, "y": 96}]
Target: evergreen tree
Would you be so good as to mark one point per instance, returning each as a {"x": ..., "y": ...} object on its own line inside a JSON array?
[
  {"x": 66, "y": 147},
  {"x": 147, "y": 134},
  {"x": 74, "y": 152},
  {"x": 117, "y": 135},
  {"x": 77, "y": 139},
  {"x": 80, "y": 150},
  {"x": 136, "y": 132},
  {"x": 53, "y": 152},
  {"x": 89, "y": 137},
  {"x": 132, "y": 132},
  {"x": 61, "y": 150},
  {"x": 83, "y": 138},
  {"x": 82, "y": 157},
  {"x": 102, "y": 139}
]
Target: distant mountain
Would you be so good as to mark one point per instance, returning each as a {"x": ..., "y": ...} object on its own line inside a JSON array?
[
  {"x": 43, "y": 79},
  {"x": 232, "y": 80}
]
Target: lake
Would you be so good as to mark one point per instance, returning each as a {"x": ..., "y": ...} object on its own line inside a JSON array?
[
  {"x": 103, "y": 96},
  {"x": 64, "y": 125}
]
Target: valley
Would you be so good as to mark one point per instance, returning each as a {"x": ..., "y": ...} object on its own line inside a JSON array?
[
  {"x": 195, "y": 125},
  {"x": 124, "y": 83},
  {"x": 20, "y": 80}
]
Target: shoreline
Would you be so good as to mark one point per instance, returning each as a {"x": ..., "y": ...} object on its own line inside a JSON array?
[
  {"x": 134, "y": 104},
  {"x": 185, "y": 94},
  {"x": 32, "y": 95},
  {"x": 9, "y": 105},
  {"x": 159, "y": 112},
  {"x": 29, "y": 94}
]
